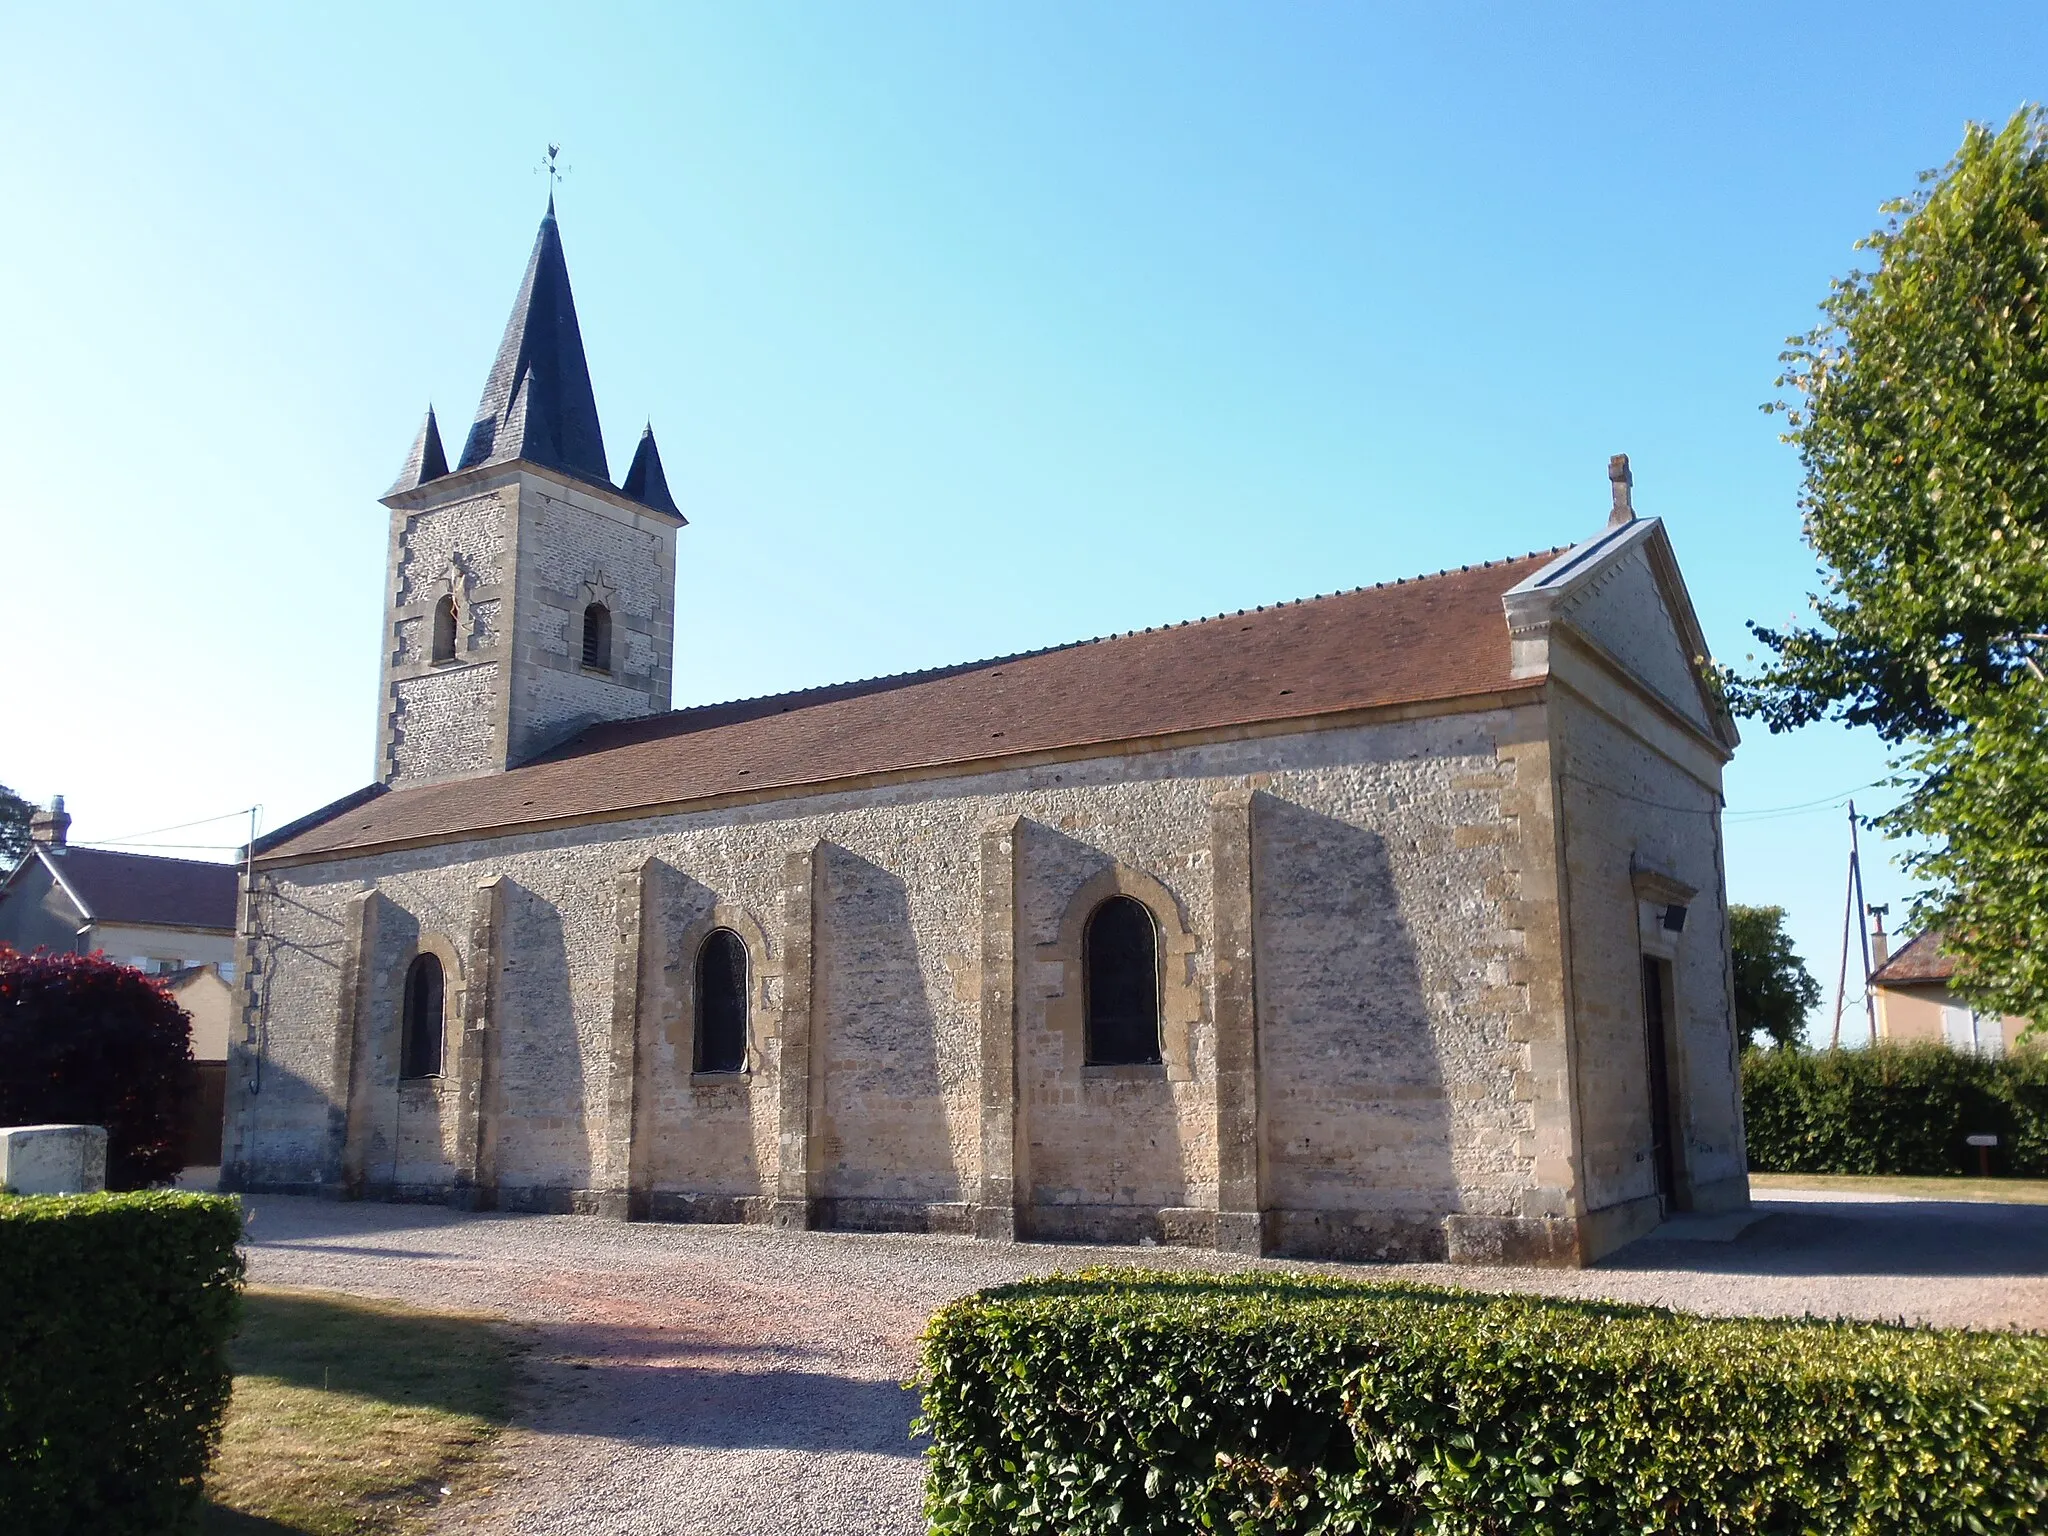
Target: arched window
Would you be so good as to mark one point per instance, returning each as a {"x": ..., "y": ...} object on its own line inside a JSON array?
[
  {"x": 1120, "y": 965},
  {"x": 722, "y": 1002},
  {"x": 444, "y": 628},
  {"x": 597, "y": 637},
  {"x": 420, "y": 1049}
]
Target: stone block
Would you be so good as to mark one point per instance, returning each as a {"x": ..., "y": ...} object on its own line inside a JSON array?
[
  {"x": 1539, "y": 1242},
  {"x": 53, "y": 1159}
]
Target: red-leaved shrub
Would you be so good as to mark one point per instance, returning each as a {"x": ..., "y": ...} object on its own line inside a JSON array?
[{"x": 84, "y": 1041}]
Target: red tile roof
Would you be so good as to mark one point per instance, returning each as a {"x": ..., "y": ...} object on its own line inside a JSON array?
[
  {"x": 1436, "y": 637},
  {"x": 1920, "y": 963}
]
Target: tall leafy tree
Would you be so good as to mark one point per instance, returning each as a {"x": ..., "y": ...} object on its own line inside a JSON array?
[
  {"x": 1920, "y": 412},
  {"x": 14, "y": 816},
  {"x": 1774, "y": 991}
]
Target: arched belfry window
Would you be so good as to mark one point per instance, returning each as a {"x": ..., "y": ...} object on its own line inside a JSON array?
[
  {"x": 420, "y": 1047},
  {"x": 1120, "y": 965},
  {"x": 597, "y": 637},
  {"x": 444, "y": 628},
  {"x": 722, "y": 1002}
]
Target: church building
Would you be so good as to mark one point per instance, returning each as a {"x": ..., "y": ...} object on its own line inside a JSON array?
[{"x": 1383, "y": 924}]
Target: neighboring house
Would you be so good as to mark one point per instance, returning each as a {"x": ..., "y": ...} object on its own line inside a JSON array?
[
  {"x": 1914, "y": 1001},
  {"x": 208, "y": 999},
  {"x": 156, "y": 914},
  {"x": 1384, "y": 923},
  {"x": 173, "y": 918}
]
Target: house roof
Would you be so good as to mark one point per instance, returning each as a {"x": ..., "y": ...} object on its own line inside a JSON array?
[
  {"x": 1920, "y": 963},
  {"x": 1440, "y": 637},
  {"x": 186, "y": 975},
  {"x": 145, "y": 889}
]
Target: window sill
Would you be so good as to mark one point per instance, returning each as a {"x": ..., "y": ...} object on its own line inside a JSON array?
[
  {"x": 1131, "y": 1071},
  {"x": 736, "y": 1075},
  {"x": 589, "y": 671}
]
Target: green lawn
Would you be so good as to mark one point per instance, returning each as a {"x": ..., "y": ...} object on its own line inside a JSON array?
[
  {"x": 1996, "y": 1191},
  {"x": 351, "y": 1415}
]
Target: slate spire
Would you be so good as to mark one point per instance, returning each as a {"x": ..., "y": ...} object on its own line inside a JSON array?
[
  {"x": 537, "y": 402},
  {"x": 645, "y": 482},
  {"x": 426, "y": 461}
]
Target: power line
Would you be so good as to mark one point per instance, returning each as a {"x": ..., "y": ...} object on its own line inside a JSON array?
[
  {"x": 136, "y": 837},
  {"x": 1802, "y": 808},
  {"x": 1826, "y": 802}
]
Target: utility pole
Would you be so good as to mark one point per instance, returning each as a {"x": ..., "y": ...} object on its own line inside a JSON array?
[
  {"x": 1862, "y": 923},
  {"x": 245, "y": 981},
  {"x": 1848, "y": 916},
  {"x": 1855, "y": 914}
]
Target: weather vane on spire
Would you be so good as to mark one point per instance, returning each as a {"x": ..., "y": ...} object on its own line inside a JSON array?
[{"x": 555, "y": 170}]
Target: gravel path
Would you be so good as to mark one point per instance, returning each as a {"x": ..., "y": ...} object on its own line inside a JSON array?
[{"x": 729, "y": 1381}]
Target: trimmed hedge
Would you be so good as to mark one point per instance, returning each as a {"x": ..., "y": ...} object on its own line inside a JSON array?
[
  {"x": 1134, "y": 1401},
  {"x": 1894, "y": 1109},
  {"x": 114, "y": 1372}
]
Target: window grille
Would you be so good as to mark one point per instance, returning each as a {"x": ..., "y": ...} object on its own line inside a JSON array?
[{"x": 597, "y": 637}]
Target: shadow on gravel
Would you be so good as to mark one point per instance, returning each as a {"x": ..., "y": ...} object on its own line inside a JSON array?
[
  {"x": 709, "y": 1409},
  {"x": 362, "y": 1251},
  {"x": 1944, "y": 1239},
  {"x": 215, "y": 1520},
  {"x": 675, "y": 1346}
]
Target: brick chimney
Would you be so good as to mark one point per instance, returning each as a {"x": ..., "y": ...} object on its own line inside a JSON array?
[
  {"x": 50, "y": 827},
  {"x": 1880, "y": 946}
]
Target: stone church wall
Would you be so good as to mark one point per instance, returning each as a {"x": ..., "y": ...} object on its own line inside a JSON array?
[
  {"x": 471, "y": 531},
  {"x": 1625, "y": 806},
  {"x": 440, "y": 720},
  {"x": 441, "y": 723},
  {"x": 1390, "y": 885},
  {"x": 575, "y": 549}
]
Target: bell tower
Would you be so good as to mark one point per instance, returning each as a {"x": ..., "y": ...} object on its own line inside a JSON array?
[{"x": 527, "y": 596}]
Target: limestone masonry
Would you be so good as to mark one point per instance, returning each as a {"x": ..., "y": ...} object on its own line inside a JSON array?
[{"x": 1433, "y": 956}]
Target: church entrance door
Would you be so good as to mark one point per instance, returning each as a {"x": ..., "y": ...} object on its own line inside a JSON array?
[{"x": 1663, "y": 1150}]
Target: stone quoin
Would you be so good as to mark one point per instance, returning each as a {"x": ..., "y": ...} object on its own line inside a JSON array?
[{"x": 1429, "y": 957}]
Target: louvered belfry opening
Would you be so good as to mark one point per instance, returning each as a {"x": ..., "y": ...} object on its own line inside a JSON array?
[
  {"x": 722, "y": 1002},
  {"x": 597, "y": 637},
  {"x": 1121, "y": 965},
  {"x": 444, "y": 628},
  {"x": 420, "y": 1050}
]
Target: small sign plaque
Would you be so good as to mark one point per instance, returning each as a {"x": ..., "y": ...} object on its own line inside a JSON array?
[{"x": 1981, "y": 1141}]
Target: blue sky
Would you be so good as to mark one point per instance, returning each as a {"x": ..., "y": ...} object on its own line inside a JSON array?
[{"x": 965, "y": 329}]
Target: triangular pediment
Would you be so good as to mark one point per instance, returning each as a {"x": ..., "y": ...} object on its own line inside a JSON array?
[{"x": 1622, "y": 593}]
